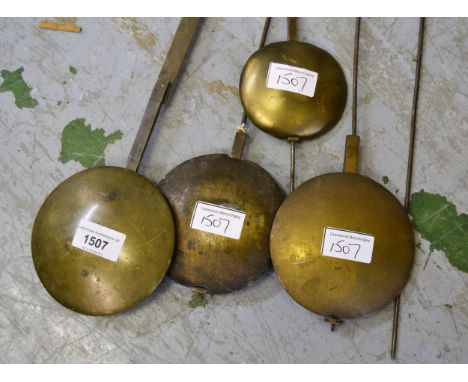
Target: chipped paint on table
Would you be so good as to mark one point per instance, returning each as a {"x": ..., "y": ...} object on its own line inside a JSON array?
[{"x": 104, "y": 75}]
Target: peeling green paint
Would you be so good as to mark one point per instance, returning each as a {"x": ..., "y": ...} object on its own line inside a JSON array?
[
  {"x": 438, "y": 221},
  {"x": 72, "y": 70},
  {"x": 198, "y": 300},
  {"x": 84, "y": 145},
  {"x": 385, "y": 179},
  {"x": 14, "y": 82}
]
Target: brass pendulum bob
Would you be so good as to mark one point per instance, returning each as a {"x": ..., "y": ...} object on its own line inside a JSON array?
[
  {"x": 293, "y": 89},
  {"x": 103, "y": 239},
  {"x": 224, "y": 207}
]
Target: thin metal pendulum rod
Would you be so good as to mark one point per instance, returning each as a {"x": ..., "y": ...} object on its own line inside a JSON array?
[
  {"x": 355, "y": 72},
  {"x": 351, "y": 158},
  {"x": 292, "y": 28},
  {"x": 172, "y": 66},
  {"x": 292, "y": 36},
  {"x": 414, "y": 110},
  {"x": 409, "y": 173},
  {"x": 241, "y": 133},
  {"x": 266, "y": 26},
  {"x": 292, "y": 169},
  {"x": 167, "y": 76}
]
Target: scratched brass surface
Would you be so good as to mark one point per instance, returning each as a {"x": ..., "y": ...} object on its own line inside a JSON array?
[
  {"x": 116, "y": 198},
  {"x": 335, "y": 287},
  {"x": 286, "y": 114},
  {"x": 214, "y": 262}
]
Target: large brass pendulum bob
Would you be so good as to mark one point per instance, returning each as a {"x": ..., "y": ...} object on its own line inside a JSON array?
[
  {"x": 103, "y": 239},
  {"x": 320, "y": 245},
  {"x": 210, "y": 195},
  {"x": 118, "y": 199},
  {"x": 224, "y": 208}
]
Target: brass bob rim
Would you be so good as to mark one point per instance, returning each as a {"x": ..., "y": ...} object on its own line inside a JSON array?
[
  {"x": 215, "y": 263},
  {"x": 81, "y": 281},
  {"x": 286, "y": 114},
  {"x": 306, "y": 274}
]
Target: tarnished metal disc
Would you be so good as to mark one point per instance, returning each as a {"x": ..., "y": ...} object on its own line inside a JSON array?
[
  {"x": 203, "y": 259},
  {"x": 331, "y": 286},
  {"x": 118, "y": 199},
  {"x": 288, "y": 114}
]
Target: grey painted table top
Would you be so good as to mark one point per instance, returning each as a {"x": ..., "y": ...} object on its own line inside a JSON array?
[{"x": 105, "y": 74}]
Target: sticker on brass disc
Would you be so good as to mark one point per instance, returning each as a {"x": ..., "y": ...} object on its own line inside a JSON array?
[
  {"x": 347, "y": 245},
  {"x": 98, "y": 240},
  {"x": 218, "y": 220},
  {"x": 291, "y": 79}
]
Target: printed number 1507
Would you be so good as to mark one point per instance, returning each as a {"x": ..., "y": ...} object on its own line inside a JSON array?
[{"x": 95, "y": 242}]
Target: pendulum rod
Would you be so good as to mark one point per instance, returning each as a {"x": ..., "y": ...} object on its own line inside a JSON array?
[
  {"x": 409, "y": 173},
  {"x": 241, "y": 132}
]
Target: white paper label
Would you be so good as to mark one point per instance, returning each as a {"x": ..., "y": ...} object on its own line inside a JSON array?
[
  {"x": 347, "y": 245},
  {"x": 98, "y": 240},
  {"x": 291, "y": 79},
  {"x": 219, "y": 220}
]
